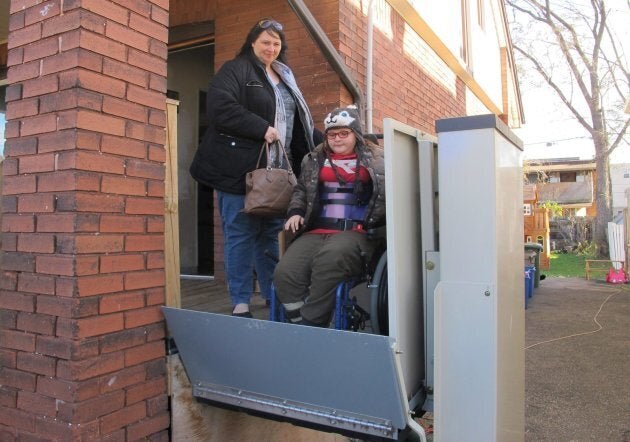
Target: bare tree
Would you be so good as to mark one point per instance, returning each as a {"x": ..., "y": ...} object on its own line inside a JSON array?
[{"x": 573, "y": 46}]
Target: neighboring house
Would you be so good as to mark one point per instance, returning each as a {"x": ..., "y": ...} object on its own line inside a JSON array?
[
  {"x": 620, "y": 184},
  {"x": 566, "y": 181},
  {"x": 82, "y": 276},
  {"x": 536, "y": 223},
  {"x": 569, "y": 183}
]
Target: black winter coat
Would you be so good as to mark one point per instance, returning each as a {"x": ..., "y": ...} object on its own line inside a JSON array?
[{"x": 241, "y": 106}]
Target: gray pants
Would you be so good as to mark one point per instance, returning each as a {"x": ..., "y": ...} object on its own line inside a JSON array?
[{"x": 313, "y": 266}]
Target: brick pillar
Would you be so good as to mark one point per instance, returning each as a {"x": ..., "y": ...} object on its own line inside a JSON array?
[{"x": 82, "y": 264}]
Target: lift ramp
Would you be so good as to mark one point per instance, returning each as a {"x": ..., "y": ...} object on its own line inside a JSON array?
[{"x": 337, "y": 381}]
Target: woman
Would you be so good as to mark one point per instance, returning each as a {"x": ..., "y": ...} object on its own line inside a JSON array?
[
  {"x": 340, "y": 195},
  {"x": 252, "y": 98}
]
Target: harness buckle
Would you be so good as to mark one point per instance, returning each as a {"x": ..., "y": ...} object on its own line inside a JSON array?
[{"x": 348, "y": 224}]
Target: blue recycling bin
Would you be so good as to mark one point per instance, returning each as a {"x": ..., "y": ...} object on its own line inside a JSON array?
[{"x": 530, "y": 275}]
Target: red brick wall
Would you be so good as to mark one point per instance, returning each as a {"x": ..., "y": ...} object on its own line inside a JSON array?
[
  {"x": 316, "y": 78},
  {"x": 408, "y": 78},
  {"x": 191, "y": 11},
  {"x": 415, "y": 89},
  {"x": 410, "y": 88},
  {"x": 81, "y": 271}
]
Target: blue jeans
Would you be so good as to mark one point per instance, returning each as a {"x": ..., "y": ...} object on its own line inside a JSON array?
[{"x": 246, "y": 238}]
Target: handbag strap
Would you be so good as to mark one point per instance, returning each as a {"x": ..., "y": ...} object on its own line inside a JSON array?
[{"x": 265, "y": 148}]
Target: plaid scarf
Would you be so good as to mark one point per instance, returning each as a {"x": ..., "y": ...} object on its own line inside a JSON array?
[{"x": 286, "y": 75}]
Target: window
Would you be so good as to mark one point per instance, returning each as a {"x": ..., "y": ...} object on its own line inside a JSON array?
[
  {"x": 465, "y": 48},
  {"x": 528, "y": 239},
  {"x": 532, "y": 177},
  {"x": 540, "y": 240},
  {"x": 481, "y": 14},
  {"x": 536, "y": 177},
  {"x": 568, "y": 177},
  {"x": 527, "y": 209},
  {"x": 626, "y": 173}
]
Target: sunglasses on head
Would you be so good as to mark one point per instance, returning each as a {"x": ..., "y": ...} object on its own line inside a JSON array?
[
  {"x": 341, "y": 134},
  {"x": 266, "y": 24}
]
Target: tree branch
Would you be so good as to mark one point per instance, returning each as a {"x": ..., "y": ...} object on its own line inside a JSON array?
[
  {"x": 616, "y": 62},
  {"x": 599, "y": 27},
  {"x": 566, "y": 51},
  {"x": 541, "y": 70},
  {"x": 619, "y": 137},
  {"x": 571, "y": 30}
]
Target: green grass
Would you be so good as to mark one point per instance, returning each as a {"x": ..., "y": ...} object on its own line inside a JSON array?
[{"x": 566, "y": 265}]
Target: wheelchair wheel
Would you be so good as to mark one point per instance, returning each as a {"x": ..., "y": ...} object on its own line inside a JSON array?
[{"x": 379, "y": 311}]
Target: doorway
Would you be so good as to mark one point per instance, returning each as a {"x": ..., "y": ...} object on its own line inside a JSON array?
[{"x": 189, "y": 72}]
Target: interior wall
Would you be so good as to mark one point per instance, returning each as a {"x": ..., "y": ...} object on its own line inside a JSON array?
[{"x": 189, "y": 72}]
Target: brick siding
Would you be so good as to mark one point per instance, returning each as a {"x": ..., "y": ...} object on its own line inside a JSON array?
[
  {"x": 411, "y": 83},
  {"x": 82, "y": 265}
]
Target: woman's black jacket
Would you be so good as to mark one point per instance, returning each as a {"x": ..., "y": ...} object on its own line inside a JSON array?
[{"x": 241, "y": 106}]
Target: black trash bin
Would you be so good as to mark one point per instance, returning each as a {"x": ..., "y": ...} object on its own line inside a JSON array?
[{"x": 533, "y": 251}]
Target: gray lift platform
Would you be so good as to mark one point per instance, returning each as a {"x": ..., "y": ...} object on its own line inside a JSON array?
[{"x": 337, "y": 381}]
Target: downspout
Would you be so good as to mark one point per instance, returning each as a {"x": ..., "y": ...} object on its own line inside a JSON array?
[
  {"x": 369, "y": 70},
  {"x": 325, "y": 45}
]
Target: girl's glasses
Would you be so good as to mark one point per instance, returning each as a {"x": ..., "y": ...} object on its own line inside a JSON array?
[
  {"x": 341, "y": 134},
  {"x": 267, "y": 23}
]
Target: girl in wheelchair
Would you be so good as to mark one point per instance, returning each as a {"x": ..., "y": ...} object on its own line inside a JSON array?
[{"x": 340, "y": 195}]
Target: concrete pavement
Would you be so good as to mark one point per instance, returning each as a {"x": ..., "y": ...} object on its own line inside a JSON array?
[{"x": 577, "y": 365}]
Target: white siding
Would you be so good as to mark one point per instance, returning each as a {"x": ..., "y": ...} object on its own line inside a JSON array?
[
  {"x": 484, "y": 43},
  {"x": 620, "y": 181}
]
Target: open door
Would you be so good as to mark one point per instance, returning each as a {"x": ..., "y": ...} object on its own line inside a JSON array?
[{"x": 190, "y": 69}]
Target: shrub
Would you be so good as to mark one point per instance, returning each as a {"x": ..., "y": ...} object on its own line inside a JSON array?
[{"x": 588, "y": 248}]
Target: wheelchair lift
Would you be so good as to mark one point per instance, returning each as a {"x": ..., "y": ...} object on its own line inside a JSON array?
[
  {"x": 330, "y": 378},
  {"x": 455, "y": 328}
]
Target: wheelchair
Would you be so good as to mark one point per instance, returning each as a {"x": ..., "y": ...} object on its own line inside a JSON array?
[{"x": 347, "y": 313}]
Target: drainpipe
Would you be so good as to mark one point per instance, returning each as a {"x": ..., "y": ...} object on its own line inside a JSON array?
[
  {"x": 330, "y": 53},
  {"x": 369, "y": 70}
]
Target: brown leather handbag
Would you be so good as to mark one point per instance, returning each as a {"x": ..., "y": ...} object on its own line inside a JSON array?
[{"x": 268, "y": 189}]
